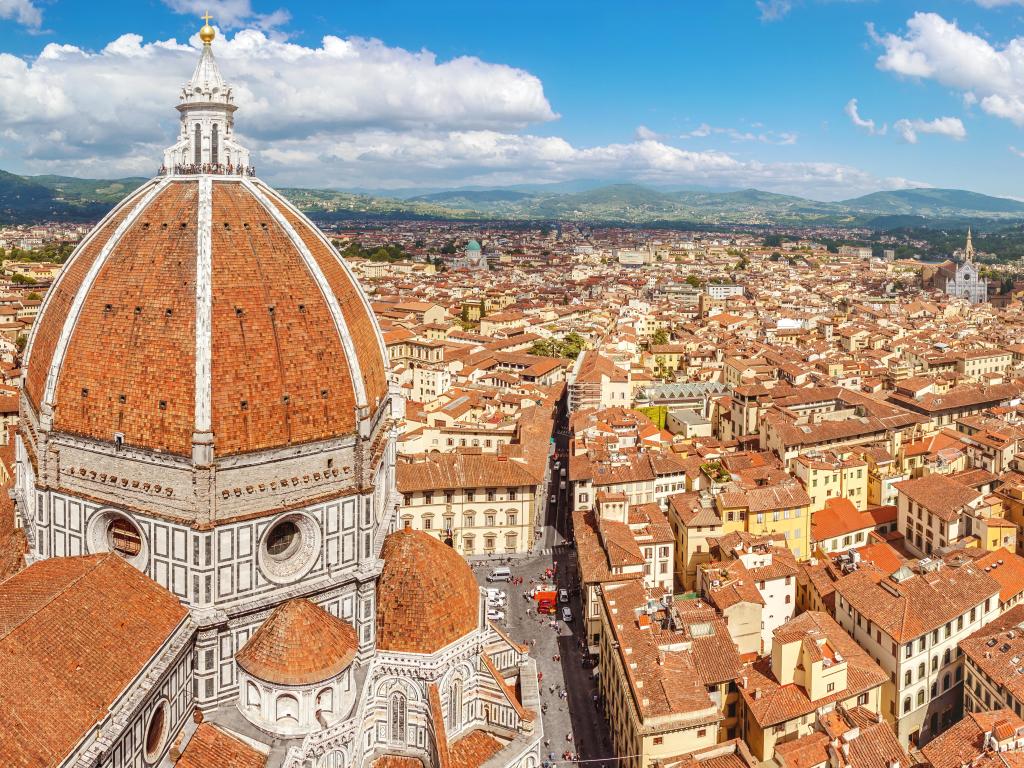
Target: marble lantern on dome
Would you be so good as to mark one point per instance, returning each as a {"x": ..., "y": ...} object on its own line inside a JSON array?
[{"x": 206, "y": 394}]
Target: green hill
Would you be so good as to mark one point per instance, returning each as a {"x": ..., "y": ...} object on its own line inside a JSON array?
[
  {"x": 30, "y": 199},
  {"x": 24, "y": 201},
  {"x": 88, "y": 190},
  {"x": 934, "y": 202}
]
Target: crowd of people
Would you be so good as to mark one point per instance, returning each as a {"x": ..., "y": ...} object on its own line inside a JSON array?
[{"x": 219, "y": 169}]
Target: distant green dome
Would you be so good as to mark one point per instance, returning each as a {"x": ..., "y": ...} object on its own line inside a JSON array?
[{"x": 472, "y": 245}]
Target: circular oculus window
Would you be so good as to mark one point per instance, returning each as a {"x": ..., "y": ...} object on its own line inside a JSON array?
[
  {"x": 289, "y": 547},
  {"x": 156, "y": 732},
  {"x": 112, "y": 531}
]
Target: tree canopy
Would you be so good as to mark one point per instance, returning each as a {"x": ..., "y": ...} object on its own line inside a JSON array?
[{"x": 568, "y": 346}]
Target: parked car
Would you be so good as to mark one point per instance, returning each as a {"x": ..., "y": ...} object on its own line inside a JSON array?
[
  {"x": 494, "y": 592},
  {"x": 563, "y": 595},
  {"x": 496, "y": 601},
  {"x": 500, "y": 574},
  {"x": 566, "y": 613},
  {"x": 552, "y": 498},
  {"x": 495, "y": 615}
]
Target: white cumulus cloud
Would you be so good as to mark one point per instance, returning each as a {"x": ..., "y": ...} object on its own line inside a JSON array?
[
  {"x": 861, "y": 122},
  {"x": 936, "y": 49},
  {"x": 117, "y": 103},
  {"x": 231, "y": 14},
  {"x": 24, "y": 12},
  {"x": 942, "y": 126},
  {"x": 354, "y": 113}
]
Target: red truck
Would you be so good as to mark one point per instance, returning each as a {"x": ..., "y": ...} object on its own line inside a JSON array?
[{"x": 546, "y": 601}]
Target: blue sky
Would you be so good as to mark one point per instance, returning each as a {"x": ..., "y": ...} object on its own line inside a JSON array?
[{"x": 722, "y": 93}]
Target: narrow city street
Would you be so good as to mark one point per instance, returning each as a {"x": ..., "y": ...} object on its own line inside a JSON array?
[{"x": 572, "y": 722}]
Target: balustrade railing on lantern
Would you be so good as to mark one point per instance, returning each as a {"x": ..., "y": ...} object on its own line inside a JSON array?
[{"x": 217, "y": 169}]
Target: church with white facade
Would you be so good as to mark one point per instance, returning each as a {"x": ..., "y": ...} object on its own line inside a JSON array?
[
  {"x": 205, "y": 469},
  {"x": 963, "y": 279}
]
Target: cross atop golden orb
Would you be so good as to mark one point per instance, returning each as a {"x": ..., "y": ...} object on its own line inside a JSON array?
[{"x": 207, "y": 33}]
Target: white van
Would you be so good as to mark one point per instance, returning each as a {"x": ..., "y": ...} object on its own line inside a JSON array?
[{"x": 500, "y": 574}]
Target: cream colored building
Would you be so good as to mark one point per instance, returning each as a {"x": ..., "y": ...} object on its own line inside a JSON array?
[
  {"x": 694, "y": 521},
  {"x": 479, "y": 503},
  {"x": 911, "y": 622},
  {"x": 827, "y": 475},
  {"x": 814, "y": 665},
  {"x": 667, "y": 675}
]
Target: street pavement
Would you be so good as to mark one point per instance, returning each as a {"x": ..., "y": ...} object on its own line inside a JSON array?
[{"x": 574, "y": 723}]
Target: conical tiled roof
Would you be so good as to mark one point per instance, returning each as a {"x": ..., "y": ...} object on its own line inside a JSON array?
[
  {"x": 206, "y": 78},
  {"x": 299, "y": 644},
  {"x": 427, "y": 596}
]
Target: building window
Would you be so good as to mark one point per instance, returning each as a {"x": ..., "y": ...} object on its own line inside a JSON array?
[
  {"x": 215, "y": 146},
  {"x": 428, "y": 497},
  {"x": 124, "y": 538},
  {"x": 397, "y": 733},
  {"x": 283, "y": 540},
  {"x": 920, "y": 698},
  {"x": 156, "y": 732},
  {"x": 511, "y": 494},
  {"x": 831, "y": 687},
  {"x": 511, "y": 518},
  {"x": 197, "y": 148},
  {"x": 468, "y": 521},
  {"x": 862, "y": 700},
  {"x": 658, "y": 740},
  {"x": 490, "y": 494},
  {"x": 449, "y": 497},
  {"x": 906, "y": 705},
  {"x": 702, "y": 733},
  {"x": 455, "y": 706},
  {"x": 470, "y": 494}
]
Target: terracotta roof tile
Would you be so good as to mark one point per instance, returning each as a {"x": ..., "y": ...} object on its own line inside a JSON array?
[
  {"x": 473, "y": 750},
  {"x": 210, "y": 747},
  {"x": 81, "y": 629},
  {"x": 299, "y": 644},
  {"x": 427, "y": 596}
]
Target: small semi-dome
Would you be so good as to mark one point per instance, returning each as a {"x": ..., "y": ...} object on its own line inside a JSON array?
[
  {"x": 299, "y": 644},
  {"x": 427, "y": 596}
]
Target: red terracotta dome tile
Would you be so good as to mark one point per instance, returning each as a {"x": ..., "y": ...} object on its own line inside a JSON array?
[
  {"x": 427, "y": 596},
  {"x": 289, "y": 345},
  {"x": 299, "y": 644}
]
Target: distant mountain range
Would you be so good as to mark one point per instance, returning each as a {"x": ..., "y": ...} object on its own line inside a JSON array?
[{"x": 29, "y": 199}]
